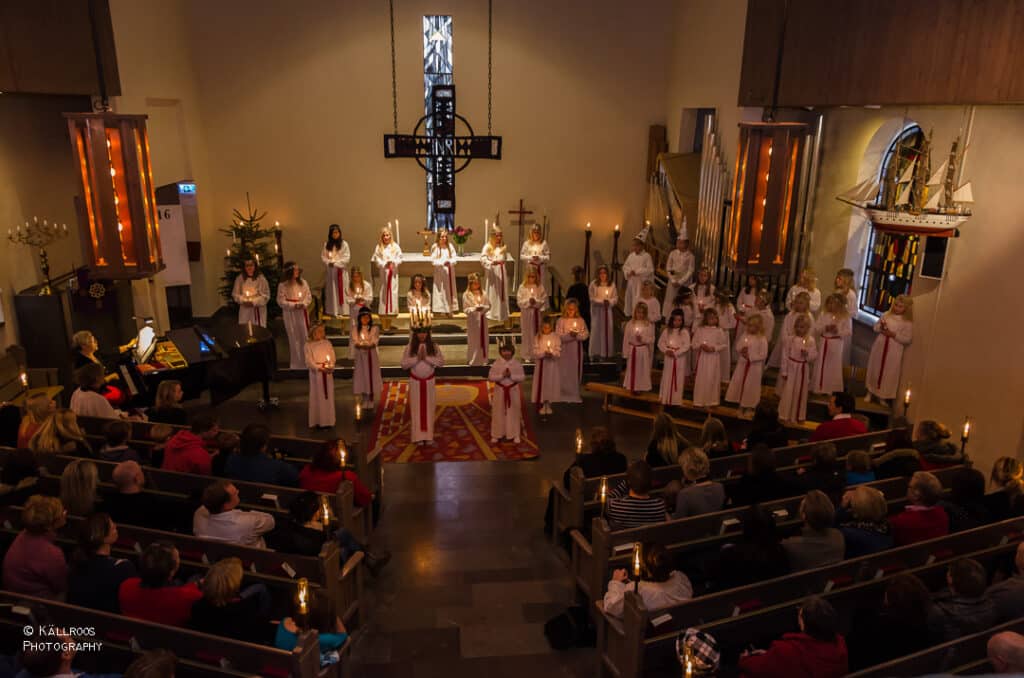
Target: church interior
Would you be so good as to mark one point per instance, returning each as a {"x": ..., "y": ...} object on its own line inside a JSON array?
[{"x": 656, "y": 351}]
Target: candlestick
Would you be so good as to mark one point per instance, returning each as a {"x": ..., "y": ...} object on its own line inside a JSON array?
[
  {"x": 250, "y": 329},
  {"x": 579, "y": 441},
  {"x": 325, "y": 513},
  {"x": 359, "y": 411},
  {"x": 636, "y": 567},
  {"x": 965, "y": 434},
  {"x": 303, "y": 594},
  {"x": 906, "y": 401},
  {"x": 604, "y": 493}
]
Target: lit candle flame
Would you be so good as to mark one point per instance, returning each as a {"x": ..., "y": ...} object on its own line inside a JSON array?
[
  {"x": 579, "y": 441},
  {"x": 359, "y": 411},
  {"x": 967, "y": 429},
  {"x": 604, "y": 489},
  {"x": 616, "y": 228},
  {"x": 636, "y": 560},
  {"x": 303, "y": 592},
  {"x": 906, "y": 398},
  {"x": 325, "y": 510},
  {"x": 588, "y": 225},
  {"x": 24, "y": 379},
  {"x": 342, "y": 452}
]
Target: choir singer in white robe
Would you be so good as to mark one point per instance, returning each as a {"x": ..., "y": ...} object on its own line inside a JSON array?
[
  {"x": 294, "y": 298},
  {"x": 422, "y": 358},
  {"x": 252, "y": 294},
  {"x": 366, "y": 375},
  {"x": 680, "y": 266},
  {"x": 387, "y": 255},
  {"x": 320, "y": 361},
  {"x": 573, "y": 331},
  {"x": 638, "y": 268},
  {"x": 445, "y": 296},
  {"x": 603, "y": 298},
  {"x": 492, "y": 258},
  {"x": 535, "y": 254},
  {"x": 507, "y": 397},
  {"x": 336, "y": 257},
  {"x": 475, "y": 304}
]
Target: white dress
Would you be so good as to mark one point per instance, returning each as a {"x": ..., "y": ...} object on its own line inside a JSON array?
[
  {"x": 570, "y": 364},
  {"x": 745, "y": 308},
  {"x": 444, "y": 292},
  {"x": 638, "y": 349},
  {"x": 366, "y": 379},
  {"x": 493, "y": 261},
  {"x": 727, "y": 321},
  {"x": 536, "y": 255},
  {"x": 388, "y": 296},
  {"x": 602, "y": 319},
  {"x": 336, "y": 279},
  {"x": 321, "y": 384},
  {"x": 707, "y": 380},
  {"x": 745, "y": 386},
  {"x": 255, "y": 290},
  {"x": 357, "y": 299},
  {"x": 422, "y": 392},
  {"x": 886, "y": 359},
  {"x": 851, "y": 310},
  {"x": 785, "y": 332},
  {"x": 674, "y": 344},
  {"x": 705, "y": 298},
  {"x": 680, "y": 266},
  {"x": 797, "y": 372},
  {"x": 653, "y": 308},
  {"x": 827, "y": 373},
  {"x": 533, "y": 301},
  {"x": 507, "y": 399},
  {"x": 547, "y": 385},
  {"x": 475, "y": 304},
  {"x": 294, "y": 300},
  {"x": 642, "y": 266},
  {"x": 814, "y": 294}
]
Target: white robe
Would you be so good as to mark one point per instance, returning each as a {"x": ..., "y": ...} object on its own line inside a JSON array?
[
  {"x": 796, "y": 373},
  {"x": 570, "y": 364},
  {"x": 827, "y": 372},
  {"x": 638, "y": 350},
  {"x": 533, "y": 301},
  {"x": 535, "y": 255},
  {"x": 419, "y": 307},
  {"x": 475, "y": 304},
  {"x": 727, "y": 321},
  {"x": 366, "y": 377},
  {"x": 602, "y": 319},
  {"x": 653, "y": 308},
  {"x": 679, "y": 266},
  {"x": 675, "y": 345},
  {"x": 422, "y": 393},
  {"x": 745, "y": 386},
  {"x": 321, "y": 384},
  {"x": 785, "y": 333},
  {"x": 294, "y": 301},
  {"x": 851, "y": 310},
  {"x": 387, "y": 303},
  {"x": 707, "y": 380},
  {"x": 356, "y": 300},
  {"x": 444, "y": 293},
  {"x": 745, "y": 308},
  {"x": 507, "y": 399},
  {"x": 705, "y": 299},
  {"x": 814, "y": 294},
  {"x": 336, "y": 279},
  {"x": 255, "y": 290},
  {"x": 493, "y": 261},
  {"x": 642, "y": 267},
  {"x": 886, "y": 358},
  {"x": 547, "y": 387}
]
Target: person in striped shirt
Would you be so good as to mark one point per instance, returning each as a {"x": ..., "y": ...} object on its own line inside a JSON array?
[{"x": 632, "y": 505}]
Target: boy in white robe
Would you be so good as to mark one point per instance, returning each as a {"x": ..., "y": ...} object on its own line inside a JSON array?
[
  {"x": 680, "y": 266},
  {"x": 506, "y": 399}
]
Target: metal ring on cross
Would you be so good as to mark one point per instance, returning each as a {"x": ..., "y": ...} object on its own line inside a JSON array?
[{"x": 421, "y": 130}]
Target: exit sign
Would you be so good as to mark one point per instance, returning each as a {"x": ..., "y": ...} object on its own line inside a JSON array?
[{"x": 186, "y": 188}]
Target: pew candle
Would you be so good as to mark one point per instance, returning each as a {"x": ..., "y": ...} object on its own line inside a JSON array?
[{"x": 303, "y": 594}]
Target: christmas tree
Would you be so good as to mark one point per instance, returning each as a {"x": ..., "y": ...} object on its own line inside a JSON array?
[{"x": 250, "y": 240}]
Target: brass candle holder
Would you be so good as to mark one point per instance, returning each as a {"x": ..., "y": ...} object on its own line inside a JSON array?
[{"x": 41, "y": 236}]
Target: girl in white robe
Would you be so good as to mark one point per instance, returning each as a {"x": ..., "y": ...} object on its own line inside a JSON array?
[
  {"x": 359, "y": 296},
  {"x": 801, "y": 304},
  {"x": 387, "y": 255},
  {"x": 638, "y": 268},
  {"x": 727, "y": 321},
  {"x": 798, "y": 352},
  {"x": 535, "y": 254},
  {"x": 762, "y": 304},
  {"x": 475, "y": 303},
  {"x": 422, "y": 358},
  {"x": 680, "y": 266},
  {"x": 751, "y": 351},
  {"x": 367, "y": 383},
  {"x": 572, "y": 330},
  {"x": 417, "y": 300},
  {"x": 336, "y": 257},
  {"x": 707, "y": 342},
  {"x": 829, "y": 330},
  {"x": 895, "y": 331},
  {"x": 649, "y": 296},
  {"x": 638, "y": 350},
  {"x": 846, "y": 287},
  {"x": 746, "y": 305},
  {"x": 687, "y": 303},
  {"x": 507, "y": 396},
  {"x": 674, "y": 344},
  {"x": 492, "y": 258},
  {"x": 445, "y": 294},
  {"x": 547, "y": 387},
  {"x": 294, "y": 298},
  {"x": 603, "y": 299},
  {"x": 252, "y": 294},
  {"x": 808, "y": 283},
  {"x": 703, "y": 293},
  {"x": 320, "y": 362},
  {"x": 533, "y": 301}
]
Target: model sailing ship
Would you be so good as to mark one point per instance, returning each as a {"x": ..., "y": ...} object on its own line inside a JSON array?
[{"x": 919, "y": 201}]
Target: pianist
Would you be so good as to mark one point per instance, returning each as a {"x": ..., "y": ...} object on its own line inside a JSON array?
[{"x": 84, "y": 353}]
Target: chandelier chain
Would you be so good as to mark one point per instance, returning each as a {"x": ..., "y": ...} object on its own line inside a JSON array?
[
  {"x": 394, "y": 73},
  {"x": 490, "y": 42}
]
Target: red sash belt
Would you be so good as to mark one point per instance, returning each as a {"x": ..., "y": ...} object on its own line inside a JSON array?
[
  {"x": 885, "y": 354},
  {"x": 608, "y": 329},
  {"x": 746, "y": 371},
  {"x": 579, "y": 361},
  {"x": 341, "y": 287},
  {"x": 387, "y": 298},
  {"x": 483, "y": 334},
  {"x": 803, "y": 383},
  {"x": 536, "y": 320},
  {"x": 451, "y": 284},
  {"x": 324, "y": 379},
  {"x": 369, "y": 369},
  {"x": 824, "y": 356},
  {"x": 504, "y": 292},
  {"x": 632, "y": 369},
  {"x": 540, "y": 384},
  {"x": 423, "y": 398},
  {"x": 508, "y": 393},
  {"x": 672, "y": 384}
]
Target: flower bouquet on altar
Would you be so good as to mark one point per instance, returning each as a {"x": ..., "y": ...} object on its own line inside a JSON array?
[{"x": 460, "y": 235}]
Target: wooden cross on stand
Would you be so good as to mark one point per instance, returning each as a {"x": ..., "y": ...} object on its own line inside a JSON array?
[{"x": 521, "y": 213}]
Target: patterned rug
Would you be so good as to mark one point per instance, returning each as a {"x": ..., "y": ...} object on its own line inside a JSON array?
[{"x": 462, "y": 429}]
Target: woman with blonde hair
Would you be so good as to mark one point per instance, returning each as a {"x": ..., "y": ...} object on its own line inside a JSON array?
[
  {"x": 85, "y": 348},
  {"x": 167, "y": 407},
  {"x": 700, "y": 494},
  {"x": 832, "y": 327},
  {"x": 227, "y": 610},
  {"x": 39, "y": 407},
  {"x": 895, "y": 330},
  {"x": 60, "y": 435},
  {"x": 1007, "y": 485},
  {"x": 932, "y": 442},
  {"x": 78, "y": 487},
  {"x": 864, "y": 521},
  {"x": 572, "y": 330},
  {"x": 808, "y": 283},
  {"x": 492, "y": 258},
  {"x": 445, "y": 295},
  {"x": 387, "y": 255},
  {"x": 666, "y": 442}
]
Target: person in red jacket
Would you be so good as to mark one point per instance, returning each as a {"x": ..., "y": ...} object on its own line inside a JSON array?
[
  {"x": 841, "y": 406},
  {"x": 189, "y": 451},
  {"x": 923, "y": 518},
  {"x": 325, "y": 474},
  {"x": 817, "y": 651}
]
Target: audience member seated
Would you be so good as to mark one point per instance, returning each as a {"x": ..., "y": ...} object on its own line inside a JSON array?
[
  {"x": 255, "y": 465},
  {"x": 19, "y": 478},
  {"x": 633, "y": 505},
  {"x": 660, "y": 585},
  {"x": 167, "y": 407},
  {"x": 129, "y": 505},
  {"x": 220, "y": 518},
  {"x": 34, "y": 564},
  {"x": 1006, "y": 499},
  {"x": 713, "y": 439},
  {"x": 757, "y": 556},
  {"x": 859, "y": 468},
  {"x": 761, "y": 482},
  {"x": 324, "y": 473},
  {"x": 824, "y": 473},
  {"x": 841, "y": 407},
  {"x": 155, "y": 595},
  {"x": 899, "y": 435},
  {"x": 700, "y": 494},
  {"x": 60, "y": 435},
  {"x": 79, "y": 484},
  {"x": 227, "y": 610},
  {"x": 933, "y": 444},
  {"x": 666, "y": 443},
  {"x": 290, "y": 628},
  {"x": 88, "y": 400},
  {"x": 965, "y": 504},
  {"x": 227, "y": 444},
  {"x": 152, "y": 664},
  {"x": 817, "y": 651},
  {"x": 818, "y": 543},
  {"x": 898, "y": 629},
  {"x": 189, "y": 451},
  {"x": 96, "y": 576},
  {"x": 1008, "y": 595},
  {"x": 765, "y": 427},
  {"x": 1006, "y": 653},
  {"x": 115, "y": 447},
  {"x": 964, "y": 608},
  {"x": 602, "y": 460},
  {"x": 38, "y": 408},
  {"x": 923, "y": 518},
  {"x": 864, "y": 522}
]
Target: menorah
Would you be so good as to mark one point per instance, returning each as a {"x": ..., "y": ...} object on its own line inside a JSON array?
[{"x": 41, "y": 235}]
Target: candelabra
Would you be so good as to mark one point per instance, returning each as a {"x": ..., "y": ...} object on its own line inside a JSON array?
[{"x": 40, "y": 235}]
